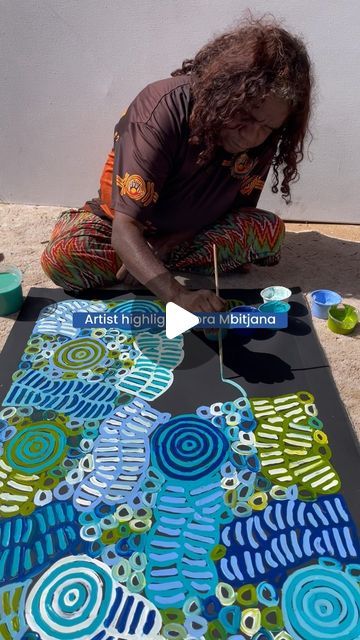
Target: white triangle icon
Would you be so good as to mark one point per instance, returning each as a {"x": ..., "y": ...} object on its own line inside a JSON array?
[{"x": 178, "y": 320}]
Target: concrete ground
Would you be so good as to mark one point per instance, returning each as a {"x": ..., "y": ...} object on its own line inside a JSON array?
[{"x": 314, "y": 256}]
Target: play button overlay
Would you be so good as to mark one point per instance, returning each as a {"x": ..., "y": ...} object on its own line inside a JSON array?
[{"x": 178, "y": 320}]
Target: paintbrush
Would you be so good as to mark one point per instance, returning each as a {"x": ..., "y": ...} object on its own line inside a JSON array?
[{"x": 220, "y": 341}]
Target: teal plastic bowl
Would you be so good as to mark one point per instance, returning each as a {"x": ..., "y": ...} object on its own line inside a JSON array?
[
  {"x": 11, "y": 296},
  {"x": 274, "y": 307}
]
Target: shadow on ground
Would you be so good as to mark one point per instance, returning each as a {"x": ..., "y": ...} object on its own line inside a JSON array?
[{"x": 309, "y": 260}]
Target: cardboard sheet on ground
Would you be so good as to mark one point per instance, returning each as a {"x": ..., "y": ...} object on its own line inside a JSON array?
[{"x": 142, "y": 497}]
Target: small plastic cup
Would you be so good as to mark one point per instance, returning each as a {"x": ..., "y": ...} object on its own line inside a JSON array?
[
  {"x": 213, "y": 334},
  {"x": 274, "y": 307},
  {"x": 11, "y": 296},
  {"x": 244, "y": 332},
  {"x": 342, "y": 319},
  {"x": 321, "y": 300},
  {"x": 275, "y": 294}
]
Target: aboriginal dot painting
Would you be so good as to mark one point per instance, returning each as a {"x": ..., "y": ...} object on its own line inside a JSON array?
[{"x": 120, "y": 521}]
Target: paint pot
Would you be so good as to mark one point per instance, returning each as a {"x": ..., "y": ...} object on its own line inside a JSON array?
[
  {"x": 321, "y": 300},
  {"x": 245, "y": 332},
  {"x": 274, "y": 307},
  {"x": 212, "y": 334},
  {"x": 342, "y": 318},
  {"x": 11, "y": 297},
  {"x": 275, "y": 294}
]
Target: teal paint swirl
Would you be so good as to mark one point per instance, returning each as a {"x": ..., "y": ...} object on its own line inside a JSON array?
[
  {"x": 71, "y": 600},
  {"x": 36, "y": 448},
  {"x": 321, "y": 603},
  {"x": 79, "y": 354}
]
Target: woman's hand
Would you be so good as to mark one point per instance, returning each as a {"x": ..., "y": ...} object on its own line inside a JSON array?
[
  {"x": 197, "y": 301},
  {"x": 125, "y": 277},
  {"x": 139, "y": 260}
]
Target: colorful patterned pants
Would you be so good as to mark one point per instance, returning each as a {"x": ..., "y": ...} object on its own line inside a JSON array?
[{"x": 79, "y": 254}]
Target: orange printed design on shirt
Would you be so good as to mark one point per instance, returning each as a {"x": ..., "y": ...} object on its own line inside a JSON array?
[
  {"x": 243, "y": 164},
  {"x": 240, "y": 165},
  {"x": 136, "y": 188},
  {"x": 249, "y": 184}
]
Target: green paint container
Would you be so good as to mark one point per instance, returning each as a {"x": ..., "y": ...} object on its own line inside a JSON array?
[
  {"x": 342, "y": 319},
  {"x": 11, "y": 296}
]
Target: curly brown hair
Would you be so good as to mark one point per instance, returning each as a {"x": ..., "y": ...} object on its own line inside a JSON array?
[{"x": 236, "y": 71}]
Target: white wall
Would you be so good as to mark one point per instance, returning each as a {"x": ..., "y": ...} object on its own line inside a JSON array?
[{"x": 69, "y": 67}]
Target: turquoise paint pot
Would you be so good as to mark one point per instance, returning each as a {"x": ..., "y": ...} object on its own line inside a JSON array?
[
  {"x": 275, "y": 294},
  {"x": 11, "y": 296},
  {"x": 274, "y": 307},
  {"x": 321, "y": 300}
]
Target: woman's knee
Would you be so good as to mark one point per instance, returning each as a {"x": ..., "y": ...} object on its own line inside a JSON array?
[
  {"x": 274, "y": 221},
  {"x": 56, "y": 265},
  {"x": 79, "y": 254},
  {"x": 65, "y": 263},
  {"x": 78, "y": 264}
]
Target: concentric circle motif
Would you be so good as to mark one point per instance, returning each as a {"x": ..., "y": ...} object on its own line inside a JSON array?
[
  {"x": 135, "y": 187},
  {"x": 79, "y": 354},
  {"x": 36, "y": 448},
  {"x": 321, "y": 603},
  {"x": 137, "y": 306},
  {"x": 71, "y": 599},
  {"x": 188, "y": 448}
]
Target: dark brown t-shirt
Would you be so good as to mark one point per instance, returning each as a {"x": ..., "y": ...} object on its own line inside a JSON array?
[{"x": 155, "y": 178}]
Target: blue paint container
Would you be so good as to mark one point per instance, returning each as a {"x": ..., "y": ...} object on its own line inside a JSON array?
[
  {"x": 246, "y": 331},
  {"x": 321, "y": 300}
]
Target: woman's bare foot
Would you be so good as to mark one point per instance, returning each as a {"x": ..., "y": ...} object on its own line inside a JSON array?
[
  {"x": 245, "y": 268},
  {"x": 125, "y": 277}
]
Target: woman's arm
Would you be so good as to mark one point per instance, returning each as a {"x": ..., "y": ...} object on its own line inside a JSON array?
[{"x": 129, "y": 243}]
